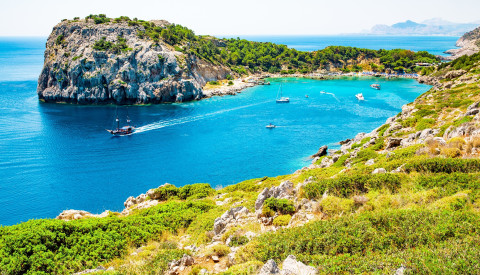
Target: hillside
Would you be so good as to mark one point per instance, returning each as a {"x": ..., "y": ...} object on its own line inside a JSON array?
[
  {"x": 469, "y": 44},
  {"x": 100, "y": 60}
]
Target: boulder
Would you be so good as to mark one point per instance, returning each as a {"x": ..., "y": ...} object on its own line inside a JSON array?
[
  {"x": 230, "y": 215},
  {"x": 370, "y": 162},
  {"x": 187, "y": 260},
  {"x": 73, "y": 215},
  {"x": 270, "y": 267},
  {"x": 293, "y": 267},
  {"x": 379, "y": 171},
  {"x": 321, "y": 152},
  {"x": 215, "y": 259},
  {"x": 393, "y": 142},
  {"x": 284, "y": 190},
  {"x": 326, "y": 162}
]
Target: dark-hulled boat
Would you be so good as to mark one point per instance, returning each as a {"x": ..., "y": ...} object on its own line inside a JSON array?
[{"x": 124, "y": 130}]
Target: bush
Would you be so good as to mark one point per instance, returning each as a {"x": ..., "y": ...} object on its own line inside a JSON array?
[
  {"x": 332, "y": 205},
  {"x": 55, "y": 246},
  {"x": 60, "y": 39},
  {"x": 370, "y": 241},
  {"x": 219, "y": 250},
  {"x": 450, "y": 184},
  {"x": 443, "y": 165},
  {"x": 191, "y": 191},
  {"x": 213, "y": 83},
  {"x": 282, "y": 220},
  {"x": 238, "y": 240},
  {"x": 230, "y": 83},
  {"x": 451, "y": 152},
  {"x": 273, "y": 205},
  {"x": 348, "y": 185}
]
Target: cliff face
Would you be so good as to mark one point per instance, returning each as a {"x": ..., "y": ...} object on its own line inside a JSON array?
[
  {"x": 469, "y": 44},
  {"x": 128, "y": 70}
]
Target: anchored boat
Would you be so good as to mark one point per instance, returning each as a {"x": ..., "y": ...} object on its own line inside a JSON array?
[
  {"x": 282, "y": 99},
  {"x": 270, "y": 126},
  {"x": 375, "y": 86}
]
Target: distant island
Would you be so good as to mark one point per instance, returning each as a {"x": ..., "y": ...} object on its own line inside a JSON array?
[
  {"x": 98, "y": 60},
  {"x": 435, "y": 26}
]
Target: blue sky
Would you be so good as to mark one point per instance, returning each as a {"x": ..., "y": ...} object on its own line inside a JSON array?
[{"x": 244, "y": 17}]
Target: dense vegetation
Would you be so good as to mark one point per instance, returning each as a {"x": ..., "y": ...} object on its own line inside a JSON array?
[
  {"x": 244, "y": 56},
  {"x": 54, "y": 246}
]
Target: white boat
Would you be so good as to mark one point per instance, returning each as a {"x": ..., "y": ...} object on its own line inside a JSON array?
[
  {"x": 375, "y": 86},
  {"x": 270, "y": 126},
  {"x": 360, "y": 96},
  {"x": 282, "y": 99}
]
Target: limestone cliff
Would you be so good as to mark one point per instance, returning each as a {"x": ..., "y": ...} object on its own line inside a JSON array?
[
  {"x": 469, "y": 44},
  {"x": 89, "y": 63}
]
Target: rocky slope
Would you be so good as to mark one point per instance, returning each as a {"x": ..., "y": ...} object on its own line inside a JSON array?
[
  {"x": 127, "y": 70},
  {"x": 469, "y": 44}
]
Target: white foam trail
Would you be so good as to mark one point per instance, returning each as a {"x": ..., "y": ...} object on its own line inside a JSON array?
[
  {"x": 332, "y": 94},
  {"x": 178, "y": 121}
]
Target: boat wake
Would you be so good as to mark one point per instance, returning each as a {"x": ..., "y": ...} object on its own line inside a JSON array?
[
  {"x": 183, "y": 120},
  {"x": 332, "y": 94}
]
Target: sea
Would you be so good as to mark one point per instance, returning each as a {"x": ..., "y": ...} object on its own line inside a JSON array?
[{"x": 58, "y": 156}]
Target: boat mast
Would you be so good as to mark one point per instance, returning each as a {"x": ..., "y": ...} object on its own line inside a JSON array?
[{"x": 118, "y": 121}]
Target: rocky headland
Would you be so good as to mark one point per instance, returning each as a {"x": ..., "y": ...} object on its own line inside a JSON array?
[
  {"x": 468, "y": 44},
  {"x": 89, "y": 63}
]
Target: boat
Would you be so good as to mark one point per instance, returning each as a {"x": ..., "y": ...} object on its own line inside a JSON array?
[
  {"x": 270, "y": 126},
  {"x": 282, "y": 99},
  {"x": 360, "y": 96},
  {"x": 306, "y": 96},
  {"x": 124, "y": 130},
  {"x": 375, "y": 86}
]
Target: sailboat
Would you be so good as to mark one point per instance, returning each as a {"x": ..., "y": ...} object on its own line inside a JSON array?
[
  {"x": 282, "y": 99},
  {"x": 124, "y": 130}
]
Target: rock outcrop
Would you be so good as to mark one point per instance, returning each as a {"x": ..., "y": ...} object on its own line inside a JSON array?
[
  {"x": 144, "y": 71},
  {"x": 290, "y": 266},
  {"x": 469, "y": 44}
]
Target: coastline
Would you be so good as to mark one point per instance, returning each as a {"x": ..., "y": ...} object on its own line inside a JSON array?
[{"x": 242, "y": 83}]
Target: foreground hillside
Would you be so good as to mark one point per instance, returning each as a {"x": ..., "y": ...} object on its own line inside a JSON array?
[
  {"x": 100, "y": 60},
  {"x": 403, "y": 198}
]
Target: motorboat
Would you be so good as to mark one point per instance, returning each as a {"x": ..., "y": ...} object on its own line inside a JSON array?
[{"x": 360, "y": 96}]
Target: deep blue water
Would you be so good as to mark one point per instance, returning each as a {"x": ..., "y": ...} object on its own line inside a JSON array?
[
  {"x": 433, "y": 44},
  {"x": 55, "y": 157}
]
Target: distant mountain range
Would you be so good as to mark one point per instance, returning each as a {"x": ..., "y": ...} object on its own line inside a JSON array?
[{"x": 434, "y": 26}]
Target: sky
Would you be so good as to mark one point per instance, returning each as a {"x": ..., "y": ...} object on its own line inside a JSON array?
[{"x": 242, "y": 17}]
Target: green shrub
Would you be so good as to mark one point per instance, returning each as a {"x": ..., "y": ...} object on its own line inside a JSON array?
[
  {"x": 248, "y": 268},
  {"x": 219, "y": 250},
  {"x": 443, "y": 165},
  {"x": 230, "y": 83},
  {"x": 191, "y": 191},
  {"x": 332, "y": 205},
  {"x": 282, "y": 220},
  {"x": 348, "y": 185},
  {"x": 213, "y": 83},
  {"x": 380, "y": 239},
  {"x": 55, "y": 246},
  {"x": 238, "y": 240},
  {"x": 450, "y": 184},
  {"x": 283, "y": 206},
  {"x": 60, "y": 39},
  {"x": 424, "y": 124}
]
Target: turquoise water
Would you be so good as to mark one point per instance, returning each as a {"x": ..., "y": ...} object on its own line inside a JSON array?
[{"x": 55, "y": 157}]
